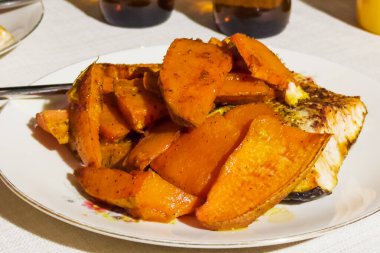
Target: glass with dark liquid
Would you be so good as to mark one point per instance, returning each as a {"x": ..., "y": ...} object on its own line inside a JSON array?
[
  {"x": 136, "y": 13},
  {"x": 256, "y": 18}
]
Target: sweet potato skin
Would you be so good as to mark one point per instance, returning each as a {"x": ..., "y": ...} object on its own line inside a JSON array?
[
  {"x": 262, "y": 62},
  {"x": 55, "y": 122},
  {"x": 192, "y": 162},
  {"x": 239, "y": 88},
  {"x": 191, "y": 74},
  {"x": 85, "y": 106},
  {"x": 140, "y": 107},
  {"x": 262, "y": 171},
  {"x": 156, "y": 141},
  {"x": 144, "y": 194}
]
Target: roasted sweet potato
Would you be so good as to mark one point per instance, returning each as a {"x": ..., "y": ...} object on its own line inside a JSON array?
[
  {"x": 138, "y": 70},
  {"x": 217, "y": 42},
  {"x": 263, "y": 170},
  {"x": 114, "y": 72},
  {"x": 262, "y": 62},
  {"x": 144, "y": 194},
  {"x": 150, "y": 82},
  {"x": 157, "y": 141},
  {"x": 140, "y": 107},
  {"x": 239, "y": 88},
  {"x": 192, "y": 162},
  {"x": 113, "y": 127},
  {"x": 111, "y": 73},
  {"x": 114, "y": 154},
  {"x": 191, "y": 74},
  {"x": 55, "y": 122},
  {"x": 241, "y": 116},
  {"x": 85, "y": 107}
]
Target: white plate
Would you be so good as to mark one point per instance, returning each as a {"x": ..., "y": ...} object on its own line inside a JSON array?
[
  {"x": 20, "y": 22},
  {"x": 40, "y": 171}
]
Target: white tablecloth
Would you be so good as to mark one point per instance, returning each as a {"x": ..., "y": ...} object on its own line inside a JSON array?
[{"x": 73, "y": 30}]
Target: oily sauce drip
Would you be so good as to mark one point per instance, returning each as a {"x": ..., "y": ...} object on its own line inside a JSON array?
[
  {"x": 136, "y": 13},
  {"x": 253, "y": 21}
]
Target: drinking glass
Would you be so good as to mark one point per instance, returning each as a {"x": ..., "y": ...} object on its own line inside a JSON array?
[
  {"x": 136, "y": 13},
  {"x": 256, "y": 18}
]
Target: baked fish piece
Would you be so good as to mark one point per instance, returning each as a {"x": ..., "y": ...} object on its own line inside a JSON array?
[{"x": 324, "y": 112}]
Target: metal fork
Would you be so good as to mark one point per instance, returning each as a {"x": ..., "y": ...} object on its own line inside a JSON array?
[{"x": 34, "y": 90}]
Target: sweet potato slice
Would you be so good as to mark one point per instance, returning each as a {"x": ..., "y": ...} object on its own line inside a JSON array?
[
  {"x": 144, "y": 194},
  {"x": 85, "y": 106},
  {"x": 241, "y": 116},
  {"x": 113, "y": 127},
  {"x": 150, "y": 82},
  {"x": 111, "y": 73},
  {"x": 114, "y": 72},
  {"x": 217, "y": 42},
  {"x": 114, "y": 154},
  {"x": 55, "y": 122},
  {"x": 262, "y": 62},
  {"x": 157, "y": 141},
  {"x": 191, "y": 74},
  {"x": 140, "y": 107},
  {"x": 239, "y": 88},
  {"x": 192, "y": 162},
  {"x": 138, "y": 70},
  {"x": 263, "y": 170}
]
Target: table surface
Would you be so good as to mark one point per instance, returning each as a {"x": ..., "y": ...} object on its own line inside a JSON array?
[{"x": 74, "y": 30}]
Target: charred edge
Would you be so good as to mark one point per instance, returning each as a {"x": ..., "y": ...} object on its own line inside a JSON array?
[{"x": 309, "y": 195}]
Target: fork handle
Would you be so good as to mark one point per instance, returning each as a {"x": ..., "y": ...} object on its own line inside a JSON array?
[{"x": 34, "y": 90}]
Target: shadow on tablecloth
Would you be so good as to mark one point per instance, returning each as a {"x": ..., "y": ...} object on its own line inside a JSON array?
[
  {"x": 344, "y": 10},
  {"x": 90, "y": 8},
  {"x": 199, "y": 11},
  {"x": 45, "y": 228}
]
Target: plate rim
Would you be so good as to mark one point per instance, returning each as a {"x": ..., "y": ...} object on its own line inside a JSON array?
[
  {"x": 181, "y": 243},
  {"x": 178, "y": 243}
]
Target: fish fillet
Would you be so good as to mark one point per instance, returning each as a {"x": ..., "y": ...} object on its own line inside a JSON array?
[{"x": 324, "y": 112}]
